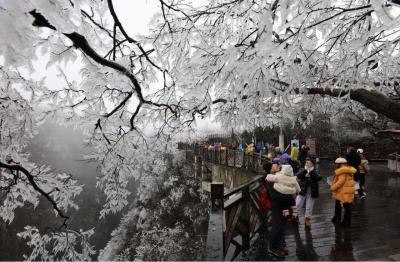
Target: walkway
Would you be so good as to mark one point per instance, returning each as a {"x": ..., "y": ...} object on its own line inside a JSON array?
[{"x": 375, "y": 230}]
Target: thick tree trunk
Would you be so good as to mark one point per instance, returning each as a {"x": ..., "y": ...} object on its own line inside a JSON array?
[{"x": 371, "y": 99}]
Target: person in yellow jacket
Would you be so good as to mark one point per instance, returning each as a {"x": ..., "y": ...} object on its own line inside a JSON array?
[
  {"x": 294, "y": 153},
  {"x": 342, "y": 189},
  {"x": 250, "y": 149}
]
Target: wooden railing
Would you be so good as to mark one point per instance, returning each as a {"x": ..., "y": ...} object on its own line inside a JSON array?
[
  {"x": 236, "y": 214},
  {"x": 227, "y": 157},
  {"x": 235, "y": 218},
  {"x": 394, "y": 162}
]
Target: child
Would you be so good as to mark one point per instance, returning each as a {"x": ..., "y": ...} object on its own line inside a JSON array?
[
  {"x": 286, "y": 183},
  {"x": 343, "y": 191}
]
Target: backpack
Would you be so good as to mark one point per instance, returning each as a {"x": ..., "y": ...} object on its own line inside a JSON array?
[{"x": 265, "y": 202}]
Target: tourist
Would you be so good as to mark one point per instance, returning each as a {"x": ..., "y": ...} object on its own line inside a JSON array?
[
  {"x": 265, "y": 200},
  {"x": 294, "y": 152},
  {"x": 259, "y": 146},
  {"x": 233, "y": 146},
  {"x": 342, "y": 189},
  {"x": 277, "y": 152},
  {"x": 284, "y": 157},
  {"x": 308, "y": 180},
  {"x": 281, "y": 158},
  {"x": 282, "y": 193},
  {"x": 250, "y": 149},
  {"x": 295, "y": 165},
  {"x": 354, "y": 160},
  {"x": 363, "y": 168},
  {"x": 303, "y": 155},
  {"x": 271, "y": 151}
]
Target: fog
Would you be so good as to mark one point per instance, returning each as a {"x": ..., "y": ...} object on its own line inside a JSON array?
[{"x": 62, "y": 148}]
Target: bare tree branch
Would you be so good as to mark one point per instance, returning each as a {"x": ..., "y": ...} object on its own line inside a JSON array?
[{"x": 32, "y": 182}]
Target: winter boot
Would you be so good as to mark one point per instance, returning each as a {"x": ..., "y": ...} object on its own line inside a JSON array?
[{"x": 307, "y": 222}]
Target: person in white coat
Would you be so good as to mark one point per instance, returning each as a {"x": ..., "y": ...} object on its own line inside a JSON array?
[{"x": 286, "y": 183}]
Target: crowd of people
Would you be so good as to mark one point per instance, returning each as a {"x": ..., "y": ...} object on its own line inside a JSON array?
[
  {"x": 269, "y": 151},
  {"x": 293, "y": 183}
]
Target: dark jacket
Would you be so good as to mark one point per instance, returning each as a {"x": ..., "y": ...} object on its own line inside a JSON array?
[
  {"x": 279, "y": 201},
  {"x": 295, "y": 165},
  {"x": 353, "y": 159},
  {"x": 309, "y": 183},
  {"x": 303, "y": 155}
]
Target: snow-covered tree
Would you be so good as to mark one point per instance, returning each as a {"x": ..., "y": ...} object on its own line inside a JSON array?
[
  {"x": 249, "y": 61},
  {"x": 171, "y": 214},
  {"x": 128, "y": 123},
  {"x": 271, "y": 57}
]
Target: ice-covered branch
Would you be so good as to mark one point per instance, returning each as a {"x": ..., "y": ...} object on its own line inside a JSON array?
[{"x": 33, "y": 183}]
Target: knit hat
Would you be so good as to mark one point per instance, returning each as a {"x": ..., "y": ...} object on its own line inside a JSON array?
[
  {"x": 287, "y": 170},
  {"x": 340, "y": 160},
  {"x": 276, "y": 160}
]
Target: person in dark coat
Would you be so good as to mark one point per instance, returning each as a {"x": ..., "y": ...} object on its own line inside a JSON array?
[
  {"x": 308, "y": 180},
  {"x": 303, "y": 155},
  {"x": 280, "y": 202},
  {"x": 353, "y": 159},
  {"x": 295, "y": 165}
]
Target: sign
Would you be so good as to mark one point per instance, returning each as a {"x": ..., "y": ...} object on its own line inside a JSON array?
[
  {"x": 296, "y": 142},
  {"x": 312, "y": 144}
]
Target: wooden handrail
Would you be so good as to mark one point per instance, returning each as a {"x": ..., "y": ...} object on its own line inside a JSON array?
[
  {"x": 252, "y": 187},
  {"x": 232, "y": 201},
  {"x": 239, "y": 188}
]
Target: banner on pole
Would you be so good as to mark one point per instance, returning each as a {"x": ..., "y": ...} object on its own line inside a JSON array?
[{"x": 296, "y": 142}]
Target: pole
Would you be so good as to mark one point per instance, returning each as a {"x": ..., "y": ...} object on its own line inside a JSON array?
[{"x": 281, "y": 138}]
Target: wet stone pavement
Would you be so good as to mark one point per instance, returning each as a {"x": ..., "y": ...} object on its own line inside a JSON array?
[{"x": 373, "y": 235}]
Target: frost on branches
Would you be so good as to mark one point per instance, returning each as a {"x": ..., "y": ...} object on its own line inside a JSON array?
[
  {"x": 62, "y": 245},
  {"x": 22, "y": 182},
  {"x": 242, "y": 60},
  {"x": 128, "y": 124},
  {"x": 266, "y": 59},
  {"x": 171, "y": 214}
]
